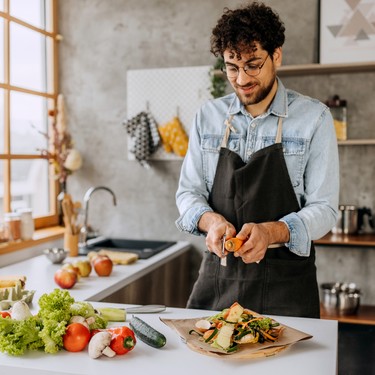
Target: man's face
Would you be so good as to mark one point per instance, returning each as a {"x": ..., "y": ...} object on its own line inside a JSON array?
[{"x": 251, "y": 89}]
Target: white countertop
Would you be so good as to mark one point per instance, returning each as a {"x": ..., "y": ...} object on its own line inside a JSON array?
[
  {"x": 317, "y": 355},
  {"x": 40, "y": 271}
]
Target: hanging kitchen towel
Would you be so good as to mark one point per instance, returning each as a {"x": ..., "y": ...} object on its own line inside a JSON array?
[
  {"x": 174, "y": 137},
  {"x": 143, "y": 130}
]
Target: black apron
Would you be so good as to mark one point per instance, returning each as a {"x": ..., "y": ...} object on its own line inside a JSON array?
[{"x": 283, "y": 283}]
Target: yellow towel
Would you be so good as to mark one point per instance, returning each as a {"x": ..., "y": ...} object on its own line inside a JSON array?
[{"x": 174, "y": 137}]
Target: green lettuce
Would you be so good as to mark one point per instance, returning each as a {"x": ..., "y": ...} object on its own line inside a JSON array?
[{"x": 17, "y": 336}]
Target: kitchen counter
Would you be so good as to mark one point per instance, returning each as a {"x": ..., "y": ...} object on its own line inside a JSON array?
[
  {"x": 39, "y": 272},
  {"x": 317, "y": 355}
]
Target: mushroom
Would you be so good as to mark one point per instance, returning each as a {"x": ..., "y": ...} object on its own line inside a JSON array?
[
  {"x": 203, "y": 325},
  {"x": 79, "y": 319},
  {"x": 20, "y": 311},
  {"x": 99, "y": 344}
]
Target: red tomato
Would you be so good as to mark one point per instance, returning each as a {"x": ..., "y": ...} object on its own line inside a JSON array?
[
  {"x": 76, "y": 337},
  {"x": 5, "y": 314}
]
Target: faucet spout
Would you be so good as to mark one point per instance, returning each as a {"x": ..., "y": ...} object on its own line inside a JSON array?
[{"x": 86, "y": 200}]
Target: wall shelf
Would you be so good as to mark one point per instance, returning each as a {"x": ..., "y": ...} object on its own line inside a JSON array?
[
  {"x": 361, "y": 240},
  {"x": 364, "y": 315},
  {"x": 314, "y": 69},
  {"x": 356, "y": 142},
  {"x": 308, "y": 69}
]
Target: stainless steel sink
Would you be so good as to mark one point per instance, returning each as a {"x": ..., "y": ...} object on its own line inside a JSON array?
[{"x": 144, "y": 248}]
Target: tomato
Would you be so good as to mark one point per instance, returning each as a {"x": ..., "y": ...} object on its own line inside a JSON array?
[
  {"x": 76, "y": 337},
  {"x": 5, "y": 314}
]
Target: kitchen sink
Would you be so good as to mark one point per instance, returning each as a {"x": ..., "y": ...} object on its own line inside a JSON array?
[{"x": 144, "y": 248}]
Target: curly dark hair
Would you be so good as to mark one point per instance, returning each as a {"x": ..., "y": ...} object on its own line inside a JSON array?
[{"x": 238, "y": 30}]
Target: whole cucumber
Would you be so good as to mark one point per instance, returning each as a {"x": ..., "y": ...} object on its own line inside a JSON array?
[{"x": 146, "y": 333}]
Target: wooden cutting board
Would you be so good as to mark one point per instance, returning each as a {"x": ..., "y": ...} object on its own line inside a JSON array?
[{"x": 117, "y": 257}]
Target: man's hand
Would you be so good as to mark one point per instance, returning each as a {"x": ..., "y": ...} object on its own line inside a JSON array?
[
  {"x": 216, "y": 226},
  {"x": 258, "y": 237}
]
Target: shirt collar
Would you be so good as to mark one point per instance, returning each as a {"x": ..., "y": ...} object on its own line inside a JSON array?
[{"x": 278, "y": 107}]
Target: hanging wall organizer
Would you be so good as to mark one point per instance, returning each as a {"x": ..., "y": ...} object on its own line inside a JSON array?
[{"x": 167, "y": 93}]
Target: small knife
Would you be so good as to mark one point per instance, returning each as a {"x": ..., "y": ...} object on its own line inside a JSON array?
[
  {"x": 145, "y": 309},
  {"x": 223, "y": 261}
]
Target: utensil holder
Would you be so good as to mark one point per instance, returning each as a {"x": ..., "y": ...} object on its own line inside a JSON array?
[{"x": 71, "y": 243}]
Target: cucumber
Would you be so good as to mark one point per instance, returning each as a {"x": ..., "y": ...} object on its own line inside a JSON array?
[{"x": 146, "y": 333}]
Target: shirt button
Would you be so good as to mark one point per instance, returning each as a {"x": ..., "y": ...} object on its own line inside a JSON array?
[{"x": 253, "y": 125}]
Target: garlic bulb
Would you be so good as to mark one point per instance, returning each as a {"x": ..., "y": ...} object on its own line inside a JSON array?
[{"x": 73, "y": 161}]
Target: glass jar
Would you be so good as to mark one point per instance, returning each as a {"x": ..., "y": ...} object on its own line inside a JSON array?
[
  {"x": 13, "y": 222},
  {"x": 27, "y": 223},
  {"x": 4, "y": 233},
  {"x": 338, "y": 109}
]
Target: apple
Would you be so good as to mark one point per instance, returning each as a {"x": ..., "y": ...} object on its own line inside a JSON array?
[
  {"x": 65, "y": 278},
  {"x": 84, "y": 267},
  {"x": 102, "y": 265},
  {"x": 71, "y": 267}
]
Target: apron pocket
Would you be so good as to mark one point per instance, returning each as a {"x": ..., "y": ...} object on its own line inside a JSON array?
[{"x": 291, "y": 288}]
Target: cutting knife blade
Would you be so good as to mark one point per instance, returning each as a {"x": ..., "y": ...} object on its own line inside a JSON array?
[
  {"x": 223, "y": 261},
  {"x": 145, "y": 309}
]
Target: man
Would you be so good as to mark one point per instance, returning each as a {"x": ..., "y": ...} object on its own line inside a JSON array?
[{"x": 262, "y": 165}]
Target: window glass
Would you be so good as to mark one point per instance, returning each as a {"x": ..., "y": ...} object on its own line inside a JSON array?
[
  {"x": 2, "y": 5},
  {"x": 30, "y": 11},
  {"x": 27, "y": 58},
  {"x": 29, "y": 186},
  {"x": 2, "y": 134},
  {"x": 1, "y": 50},
  {"x": 1, "y": 187},
  {"x": 28, "y": 119}
]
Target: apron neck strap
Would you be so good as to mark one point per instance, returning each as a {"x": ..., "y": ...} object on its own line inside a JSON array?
[
  {"x": 228, "y": 129},
  {"x": 279, "y": 130}
]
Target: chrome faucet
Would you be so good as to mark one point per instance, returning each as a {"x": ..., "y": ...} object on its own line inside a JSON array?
[{"x": 86, "y": 199}]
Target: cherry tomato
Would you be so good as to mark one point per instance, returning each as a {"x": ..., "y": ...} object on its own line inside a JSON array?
[
  {"x": 76, "y": 337},
  {"x": 5, "y": 314}
]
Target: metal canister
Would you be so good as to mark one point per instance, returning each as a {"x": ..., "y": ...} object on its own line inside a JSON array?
[{"x": 350, "y": 220}]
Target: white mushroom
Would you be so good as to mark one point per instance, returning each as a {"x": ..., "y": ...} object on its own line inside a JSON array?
[
  {"x": 20, "y": 311},
  {"x": 99, "y": 344},
  {"x": 79, "y": 319}
]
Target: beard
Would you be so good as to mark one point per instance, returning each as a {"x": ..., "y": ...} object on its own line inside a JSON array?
[{"x": 259, "y": 95}]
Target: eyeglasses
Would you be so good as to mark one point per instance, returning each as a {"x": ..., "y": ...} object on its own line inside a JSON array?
[{"x": 232, "y": 71}]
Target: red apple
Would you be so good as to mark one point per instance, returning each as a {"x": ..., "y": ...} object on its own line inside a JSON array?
[
  {"x": 102, "y": 265},
  {"x": 84, "y": 267},
  {"x": 65, "y": 279}
]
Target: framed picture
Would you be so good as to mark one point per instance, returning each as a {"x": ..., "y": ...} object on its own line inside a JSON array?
[{"x": 347, "y": 31}]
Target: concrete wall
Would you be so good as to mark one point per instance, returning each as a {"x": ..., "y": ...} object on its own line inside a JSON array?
[{"x": 105, "y": 38}]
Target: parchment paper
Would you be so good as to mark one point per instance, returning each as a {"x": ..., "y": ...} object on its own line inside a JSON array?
[{"x": 288, "y": 337}]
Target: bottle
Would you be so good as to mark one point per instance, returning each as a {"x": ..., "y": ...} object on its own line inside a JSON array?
[
  {"x": 13, "y": 223},
  {"x": 27, "y": 223},
  {"x": 339, "y": 111}
]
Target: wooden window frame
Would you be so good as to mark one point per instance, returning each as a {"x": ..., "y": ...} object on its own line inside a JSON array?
[{"x": 53, "y": 218}]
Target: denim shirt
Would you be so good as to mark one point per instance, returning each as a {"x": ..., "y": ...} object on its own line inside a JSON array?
[{"x": 310, "y": 151}]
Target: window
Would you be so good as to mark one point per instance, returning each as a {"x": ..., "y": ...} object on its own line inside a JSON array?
[{"x": 28, "y": 92}]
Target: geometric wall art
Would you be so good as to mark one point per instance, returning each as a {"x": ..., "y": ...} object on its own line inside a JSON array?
[{"x": 347, "y": 31}]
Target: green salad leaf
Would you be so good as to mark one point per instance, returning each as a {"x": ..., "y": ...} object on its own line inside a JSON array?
[
  {"x": 46, "y": 329},
  {"x": 17, "y": 336}
]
